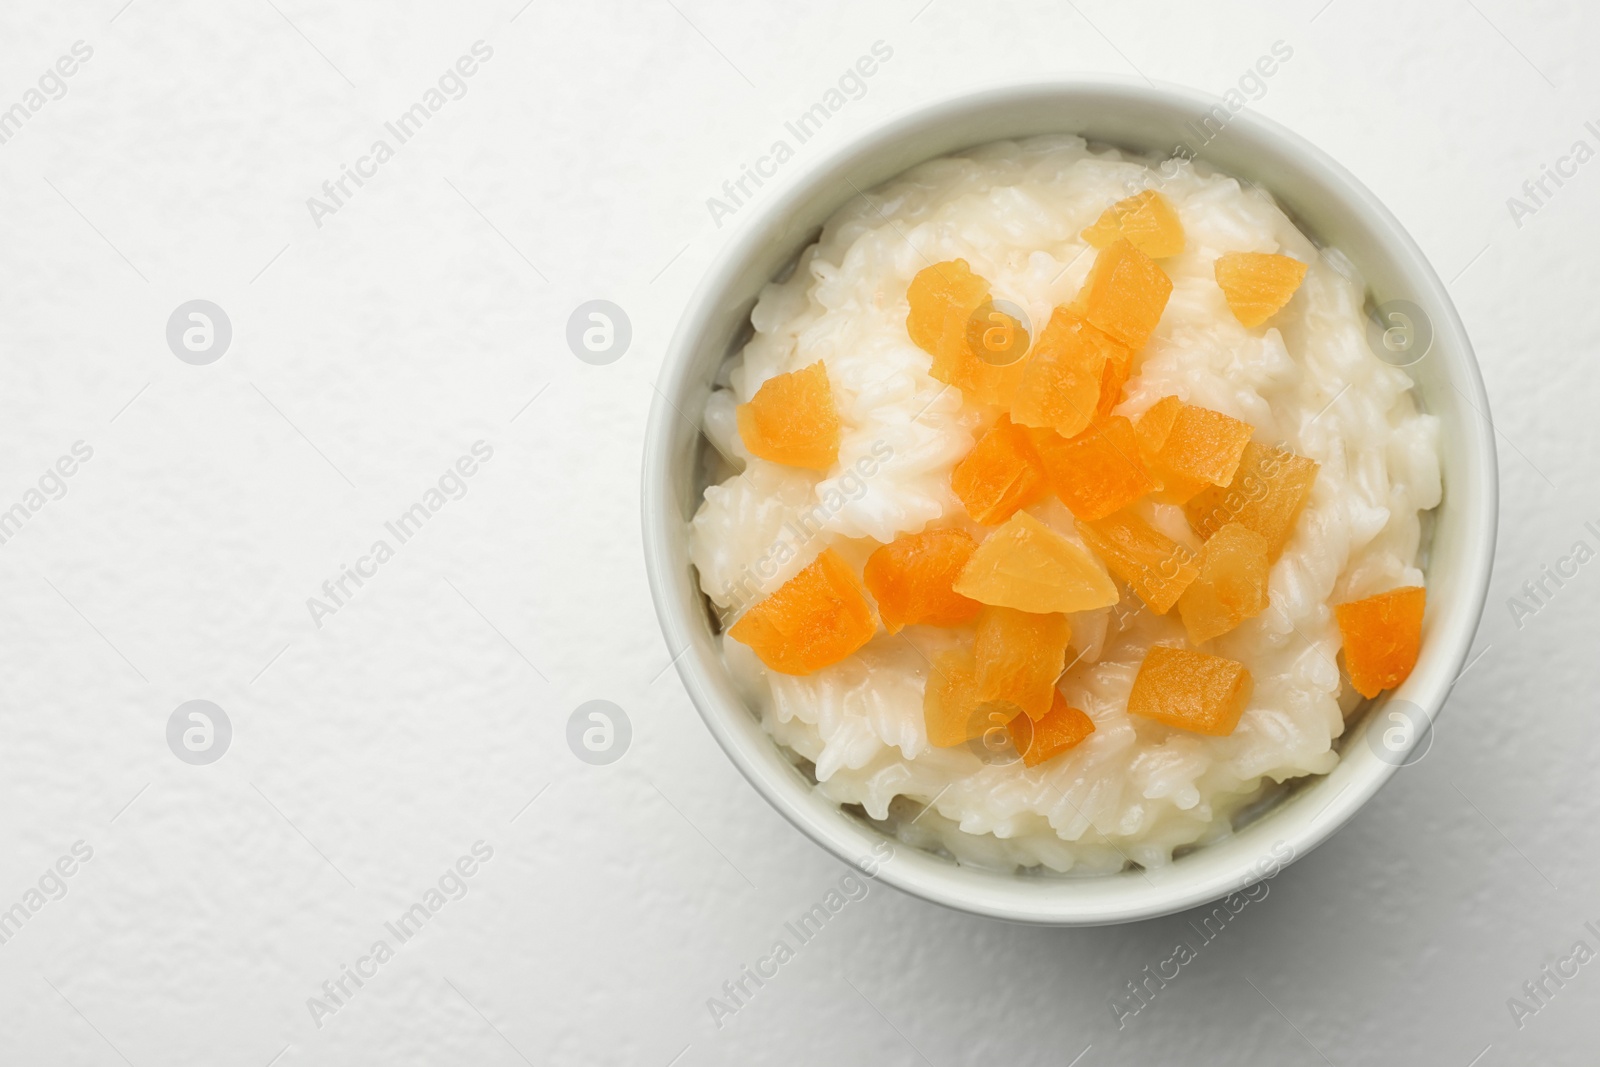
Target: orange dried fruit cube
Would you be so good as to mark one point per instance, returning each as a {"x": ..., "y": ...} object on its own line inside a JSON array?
[
  {"x": 1028, "y": 566},
  {"x": 1112, "y": 379},
  {"x": 1124, "y": 295},
  {"x": 1257, "y": 284},
  {"x": 999, "y": 475},
  {"x": 792, "y": 419},
  {"x": 950, "y": 698},
  {"x": 942, "y": 298},
  {"x": 1019, "y": 657},
  {"x": 976, "y": 347},
  {"x": 1061, "y": 384},
  {"x": 1204, "y": 445},
  {"x": 1154, "y": 425},
  {"x": 910, "y": 579},
  {"x": 1146, "y": 219},
  {"x": 1097, "y": 472},
  {"x": 812, "y": 621},
  {"x": 1190, "y": 690},
  {"x": 1382, "y": 637},
  {"x": 1268, "y": 490},
  {"x": 1153, "y": 429},
  {"x": 1158, "y": 568},
  {"x": 1231, "y": 586},
  {"x": 1061, "y": 728}
]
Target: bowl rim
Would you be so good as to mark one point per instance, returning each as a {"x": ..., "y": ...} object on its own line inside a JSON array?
[{"x": 1013, "y": 897}]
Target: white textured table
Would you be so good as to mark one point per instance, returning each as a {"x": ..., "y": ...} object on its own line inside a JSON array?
[{"x": 379, "y": 733}]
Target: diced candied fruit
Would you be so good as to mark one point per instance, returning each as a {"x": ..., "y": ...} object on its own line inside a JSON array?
[
  {"x": 1097, "y": 472},
  {"x": 1019, "y": 656},
  {"x": 910, "y": 579},
  {"x": 1061, "y": 384},
  {"x": 1112, "y": 379},
  {"x": 1257, "y": 284},
  {"x": 943, "y": 298},
  {"x": 1231, "y": 586},
  {"x": 949, "y": 699},
  {"x": 1152, "y": 430},
  {"x": 1204, "y": 445},
  {"x": 792, "y": 419},
  {"x": 975, "y": 347},
  {"x": 1146, "y": 219},
  {"x": 1158, "y": 568},
  {"x": 1382, "y": 637},
  {"x": 813, "y": 620},
  {"x": 1268, "y": 490},
  {"x": 1154, "y": 425},
  {"x": 999, "y": 475},
  {"x": 1028, "y": 566},
  {"x": 1190, "y": 690},
  {"x": 1124, "y": 295},
  {"x": 1062, "y": 727}
]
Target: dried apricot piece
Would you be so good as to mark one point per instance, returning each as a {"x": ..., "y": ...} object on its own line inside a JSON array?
[
  {"x": 792, "y": 419},
  {"x": 1257, "y": 284},
  {"x": 1061, "y": 384},
  {"x": 999, "y": 475},
  {"x": 975, "y": 347},
  {"x": 1268, "y": 490},
  {"x": 1146, "y": 219},
  {"x": 1028, "y": 566},
  {"x": 1158, "y": 568},
  {"x": 910, "y": 579},
  {"x": 1124, "y": 295},
  {"x": 1190, "y": 690},
  {"x": 1231, "y": 586},
  {"x": 1019, "y": 656},
  {"x": 812, "y": 621},
  {"x": 1062, "y": 727},
  {"x": 949, "y": 698},
  {"x": 1097, "y": 472},
  {"x": 1382, "y": 637}
]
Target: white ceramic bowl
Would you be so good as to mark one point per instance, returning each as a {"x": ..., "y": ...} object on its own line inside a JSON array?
[{"x": 1334, "y": 209}]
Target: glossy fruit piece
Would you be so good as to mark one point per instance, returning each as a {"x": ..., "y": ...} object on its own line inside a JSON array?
[
  {"x": 792, "y": 420},
  {"x": 1190, "y": 690},
  {"x": 1112, "y": 379},
  {"x": 1158, "y": 568},
  {"x": 1028, "y": 566},
  {"x": 1153, "y": 429},
  {"x": 999, "y": 475},
  {"x": 1148, "y": 222},
  {"x": 1019, "y": 657},
  {"x": 1124, "y": 295},
  {"x": 815, "y": 619},
  {"x": 1382, "y": 637},
  {"x": 949, "y": 700},
  {"x": 1061, "y": 728},
  {"x": 1268, "y": 490},
  {"x": 1204, "y": 445},
  {"x": 1154, "y": 425},
  {"x": 910, "y": 579},
  {"x": 1097, "y": 472},
  {"x": 1257, "y": 284},
  {"x": 1231, "y": 586},
  {"x": 975, "y": 347},
  {"x": 1061, "y": 384}
]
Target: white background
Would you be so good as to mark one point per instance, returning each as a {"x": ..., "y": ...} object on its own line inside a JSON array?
[{"x": 368, "y": 354}]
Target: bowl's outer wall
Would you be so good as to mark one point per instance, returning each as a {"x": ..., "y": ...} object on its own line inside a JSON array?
[{"x": 1334, "y": 209}]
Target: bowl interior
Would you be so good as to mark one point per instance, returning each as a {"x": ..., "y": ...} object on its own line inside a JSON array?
[{"x": 1334, "y": 209}]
